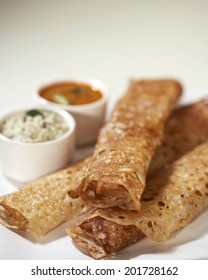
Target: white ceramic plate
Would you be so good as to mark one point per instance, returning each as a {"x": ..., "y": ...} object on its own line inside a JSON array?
[{"x": 188, "y": 243}]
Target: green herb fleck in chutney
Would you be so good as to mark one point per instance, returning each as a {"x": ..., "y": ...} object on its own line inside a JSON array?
[{"x": 33, "y": 113}]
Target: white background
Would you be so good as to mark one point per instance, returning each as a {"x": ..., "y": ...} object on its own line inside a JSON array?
[{"x": 112, "y": 41}]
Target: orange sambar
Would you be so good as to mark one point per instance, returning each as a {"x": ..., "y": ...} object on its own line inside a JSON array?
[{"x": 70, "y": 93}]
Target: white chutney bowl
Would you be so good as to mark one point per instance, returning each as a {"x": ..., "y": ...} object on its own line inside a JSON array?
[{"x": 25, "y": 162}]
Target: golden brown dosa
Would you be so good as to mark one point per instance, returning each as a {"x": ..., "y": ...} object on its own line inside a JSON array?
[
  {"x": 172, "y": 199},
  {"x": 40, "y": 206},
  {"x": 186, "y": 128},
  {"x": 116, "y": 175}
]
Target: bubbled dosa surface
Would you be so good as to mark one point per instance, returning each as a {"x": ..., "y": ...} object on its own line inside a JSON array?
[
  {"x": 186, "y": 128},
  {"x": 117, "y": 173},
  {"x": 40, "y": 206},
  {"x": 172, "y": 199}
]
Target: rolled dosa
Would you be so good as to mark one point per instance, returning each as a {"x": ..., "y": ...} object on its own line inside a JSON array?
[
  {"x": 186, "y": 128},
  {"x": 116, "y": 175},
  {"x": 172, "y": 199},
  {"x": 42, "y": 205}
]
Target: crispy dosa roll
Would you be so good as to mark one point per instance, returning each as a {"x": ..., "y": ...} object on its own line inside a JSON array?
[
  {"x": 42, "y": 205},
  {"x": 186, "y": 128},
  {"x": 117, "y": 173},
  {"x": 171, "y": 200}
]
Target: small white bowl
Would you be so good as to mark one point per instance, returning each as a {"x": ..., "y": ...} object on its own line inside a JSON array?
[
  {"x": 89, "y": 117},
  {"x": 25, "y": 162}
]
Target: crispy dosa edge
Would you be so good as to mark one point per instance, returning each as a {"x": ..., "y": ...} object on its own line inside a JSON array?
[
  {"x": 42, "y": 205},
  {"x": 100, "y": 237}
]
